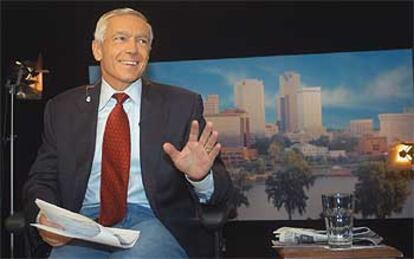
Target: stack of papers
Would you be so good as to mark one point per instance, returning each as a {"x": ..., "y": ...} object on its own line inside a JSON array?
[
  {"x": 80, "y": 227},
  {"x": 298, "y": 236}
]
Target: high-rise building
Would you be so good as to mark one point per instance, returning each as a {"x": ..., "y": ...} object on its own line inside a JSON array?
[
  {"x": 249, "y": 96},
  {"x": 233, "y": 127},
  {"x": 289, "y": 84},
  {"x": 361, "y": 127},
  {"x": 397, "y": 127},
  {"x": 211, "y": 105},
  {"x": 309, "y": 110}
]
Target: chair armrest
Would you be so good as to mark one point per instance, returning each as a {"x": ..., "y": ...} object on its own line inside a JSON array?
[
  {"x": 213, "y": 218},
  {"x": 15, "y": 223}
]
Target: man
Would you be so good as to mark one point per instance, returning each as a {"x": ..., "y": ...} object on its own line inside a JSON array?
[{"x": 128, "y": 153}]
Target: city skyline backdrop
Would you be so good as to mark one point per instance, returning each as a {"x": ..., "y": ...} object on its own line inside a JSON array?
[
  {"x": 354, "y": 85},
  {"x": 352, "y": 89}
]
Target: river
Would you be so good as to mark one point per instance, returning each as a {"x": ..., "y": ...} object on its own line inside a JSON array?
[{"x": 262, "y": 209}]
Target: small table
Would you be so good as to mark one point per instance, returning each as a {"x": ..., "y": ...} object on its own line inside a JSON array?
[{"x": 307, "y": 252}]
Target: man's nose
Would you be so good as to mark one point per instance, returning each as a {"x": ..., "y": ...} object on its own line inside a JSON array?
[{"x": 132, "y": 46}]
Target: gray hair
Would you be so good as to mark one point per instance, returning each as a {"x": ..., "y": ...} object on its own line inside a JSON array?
[{"x": 102, "y": 23}]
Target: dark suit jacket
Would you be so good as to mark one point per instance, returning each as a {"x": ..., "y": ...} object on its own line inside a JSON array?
[{"x": 63, "y": 164}]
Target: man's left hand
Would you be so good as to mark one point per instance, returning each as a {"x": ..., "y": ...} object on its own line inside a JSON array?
[{"x": 197, "y": 156}]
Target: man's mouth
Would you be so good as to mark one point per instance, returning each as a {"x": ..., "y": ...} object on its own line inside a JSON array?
[{"x": 129, "y": 62}]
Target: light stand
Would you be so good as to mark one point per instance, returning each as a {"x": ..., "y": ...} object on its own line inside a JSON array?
[
  {"x": 12, "y": 91},
  {"x": 15, "y": 87}
]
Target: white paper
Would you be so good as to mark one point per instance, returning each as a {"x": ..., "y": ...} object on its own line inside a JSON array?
[
  {"x": 81, "y": 227},
  {"x": 289, "y": 236}
]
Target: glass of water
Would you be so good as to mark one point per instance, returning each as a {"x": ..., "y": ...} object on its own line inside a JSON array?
[{"x": 338, "y": 213}]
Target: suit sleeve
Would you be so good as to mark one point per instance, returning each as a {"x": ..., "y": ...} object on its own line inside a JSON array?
[{"x": 42, "y": 180}]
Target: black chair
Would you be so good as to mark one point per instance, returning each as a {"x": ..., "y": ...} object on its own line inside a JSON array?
[{"x": 214, "y": 218}]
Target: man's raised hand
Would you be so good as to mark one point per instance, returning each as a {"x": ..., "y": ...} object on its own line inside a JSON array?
[{"x": 197, "y": 156}]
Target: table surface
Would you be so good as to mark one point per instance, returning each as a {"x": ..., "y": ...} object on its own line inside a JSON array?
[{"x": 382, "y": 251}]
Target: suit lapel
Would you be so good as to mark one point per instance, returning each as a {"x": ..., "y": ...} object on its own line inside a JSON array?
[
  {"x": 152, "y": 127},
  {"x": 84, "y": 131}
]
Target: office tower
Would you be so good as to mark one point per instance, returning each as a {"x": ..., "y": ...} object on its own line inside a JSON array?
[
  {"x": 289, "y": 84},
  {"x": 233, "y": 126},
  {"x": 361, "y": 127},
  {"x": 309, "y": 110},
  {"x": 211, "y": 105},
  {"x": 397, "y": 127},
  {"x": 249, "y": 96}
]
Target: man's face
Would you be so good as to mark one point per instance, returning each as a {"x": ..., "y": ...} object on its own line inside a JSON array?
[{"x": 124, "y": 53}]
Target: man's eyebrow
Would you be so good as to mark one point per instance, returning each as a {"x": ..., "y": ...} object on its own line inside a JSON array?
[
  {"x": 122, "y": 32},
  {"x": 141, "y": 35}
]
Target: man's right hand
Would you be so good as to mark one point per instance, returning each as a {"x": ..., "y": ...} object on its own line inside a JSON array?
[{"x": 50, "y": 238}]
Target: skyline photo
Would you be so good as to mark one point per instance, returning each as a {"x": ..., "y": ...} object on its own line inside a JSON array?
[
  {"x": 331, "y": 116},
  {"x": 354, "y": 85}
]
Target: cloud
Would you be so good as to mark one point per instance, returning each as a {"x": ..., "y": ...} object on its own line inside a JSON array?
[
  {"x": 339, "y": 97},
  {"x": 273, "y": 71},
  {"x": 230, "y": 77},
  {"x": 395, "y": 83}
]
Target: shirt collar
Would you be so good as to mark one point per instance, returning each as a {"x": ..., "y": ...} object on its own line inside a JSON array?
[{"x": 133, "y": 91}]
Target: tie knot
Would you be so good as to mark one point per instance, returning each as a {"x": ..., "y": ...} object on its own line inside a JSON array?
[{"x": 120, "y": 97}]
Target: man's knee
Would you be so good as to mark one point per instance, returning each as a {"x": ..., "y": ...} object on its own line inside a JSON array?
[{"x": 154, "y": 241}]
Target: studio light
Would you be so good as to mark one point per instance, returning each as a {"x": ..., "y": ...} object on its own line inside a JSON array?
[
  {"x": 402, "y": 156},
  {"x": 407, "y": 152}
]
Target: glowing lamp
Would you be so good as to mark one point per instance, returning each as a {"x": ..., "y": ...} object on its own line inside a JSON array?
[{"x": 402, "y": 156}]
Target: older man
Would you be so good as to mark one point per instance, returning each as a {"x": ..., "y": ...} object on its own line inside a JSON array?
[{"x": 128, "y": 152}]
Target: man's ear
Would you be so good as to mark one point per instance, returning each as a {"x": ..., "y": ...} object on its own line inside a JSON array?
[{"x": 97, "y": 50}]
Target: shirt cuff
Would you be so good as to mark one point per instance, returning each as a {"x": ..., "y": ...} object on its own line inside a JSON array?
[
  {"x": 203, "y": 185},
  {"x": 204, "y": 188}
]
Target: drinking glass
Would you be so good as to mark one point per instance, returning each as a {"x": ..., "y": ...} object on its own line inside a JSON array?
[{"x": 338, "y": 213}]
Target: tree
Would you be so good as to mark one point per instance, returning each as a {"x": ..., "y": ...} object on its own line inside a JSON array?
[
  {"x": 322, "y": 141},
  {"x": 261, "y": 144},
  {"x": 282, "y": 140},
  {"x": 276, "y": 152},
  {"x": 259, "y": 165},
  {"x": 286, "y": 186},
  {"x": 239, "y": 178},
  {"x": 344, "y": 143},
  {"x": 380, "y": 191}
]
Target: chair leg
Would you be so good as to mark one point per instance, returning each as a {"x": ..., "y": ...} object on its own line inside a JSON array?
[{"x": 217, "y": 245}]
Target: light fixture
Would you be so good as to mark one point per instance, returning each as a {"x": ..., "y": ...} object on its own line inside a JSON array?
[
  {"x": 407, "y": 152},
  {"x": 402, "y": 156},
  {"x": 29, "y": 79}
]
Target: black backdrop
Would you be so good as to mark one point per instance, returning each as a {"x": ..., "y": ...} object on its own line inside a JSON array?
[{"x": 62, "y": 32}]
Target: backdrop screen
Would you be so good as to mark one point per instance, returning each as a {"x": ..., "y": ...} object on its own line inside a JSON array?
[{"x": 294, "y": 127}]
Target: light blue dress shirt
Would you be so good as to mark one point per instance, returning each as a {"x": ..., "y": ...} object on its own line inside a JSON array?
[{"x": 132, "y": 107}]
